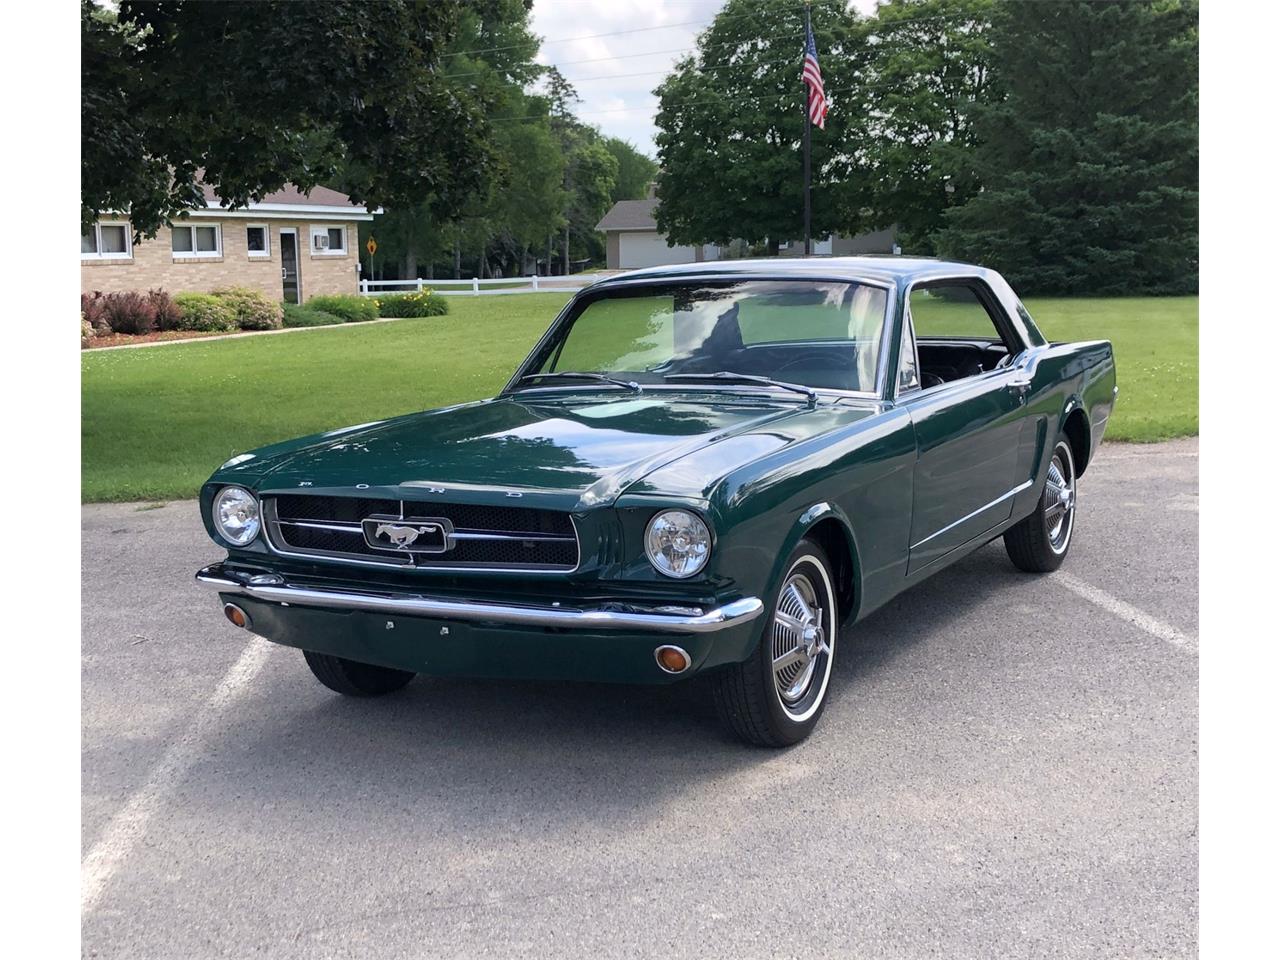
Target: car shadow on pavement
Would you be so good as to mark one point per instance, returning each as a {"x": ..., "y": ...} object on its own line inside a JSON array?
[{"x": 485, "y": 751}]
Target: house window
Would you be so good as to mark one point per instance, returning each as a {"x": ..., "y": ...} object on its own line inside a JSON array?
[
  {"x": 106, "y": 240},
  {"x": 197, "y": 241},
  {"x": 329, "y": 241},
  {"x": 258, "y": 239}
]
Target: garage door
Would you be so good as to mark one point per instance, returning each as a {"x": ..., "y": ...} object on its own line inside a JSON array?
[{"x": 649, "y": 249}]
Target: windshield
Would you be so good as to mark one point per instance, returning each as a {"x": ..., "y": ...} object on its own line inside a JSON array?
[{"x": 815, "y": 334}]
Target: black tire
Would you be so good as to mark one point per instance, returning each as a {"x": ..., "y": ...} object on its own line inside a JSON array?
[
  {"x": 747, "y": 697},
  {"x": 353, "y": 679},
  {"x": 1037, "y": 544}
]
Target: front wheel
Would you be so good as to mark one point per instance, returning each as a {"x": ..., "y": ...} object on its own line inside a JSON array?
[
  {"x": 354, "y": 679},
  {"x": 774, "y": 698},
  {"x": 1038, "y": 544}
]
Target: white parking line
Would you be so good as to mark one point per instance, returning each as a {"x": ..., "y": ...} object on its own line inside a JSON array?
[
  {"x": 1125, "y": 611},
  {"x": 128, "y": 826}
]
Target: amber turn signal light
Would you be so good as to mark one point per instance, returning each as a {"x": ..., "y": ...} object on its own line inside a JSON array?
[
  {"x": 237, "y": 616},
  {"x": 672, "y": 659}
]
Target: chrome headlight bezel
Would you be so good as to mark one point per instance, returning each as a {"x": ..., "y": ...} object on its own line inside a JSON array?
[
  {"x": 658, "y": 543},
  {"x": 250, "y": 517}
]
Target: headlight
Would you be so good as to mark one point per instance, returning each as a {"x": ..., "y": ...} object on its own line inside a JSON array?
[
  {"x": 235, "y": 515},
  {"x": 677, "y": 543}
]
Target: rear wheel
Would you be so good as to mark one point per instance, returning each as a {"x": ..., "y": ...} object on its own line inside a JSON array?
[
  {"x": 354, "y": 679},
  {"x": 1039, "y": 543},
  {"x": 774, "y": 698}
]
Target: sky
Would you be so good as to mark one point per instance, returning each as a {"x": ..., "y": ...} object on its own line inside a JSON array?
[{"x": 615, "y": 75}]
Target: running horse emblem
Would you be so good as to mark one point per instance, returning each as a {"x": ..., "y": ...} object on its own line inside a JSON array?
[{"x": 401, "y": 535}]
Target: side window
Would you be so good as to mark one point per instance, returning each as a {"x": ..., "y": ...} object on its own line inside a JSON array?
[
  {"x": 951, "y": 310},
  {"x": 908, "y": 366}
]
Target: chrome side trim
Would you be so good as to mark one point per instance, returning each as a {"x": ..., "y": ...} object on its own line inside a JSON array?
[
  {"x": 275, "y": 589},
  {"x": 969, "y": 516}
]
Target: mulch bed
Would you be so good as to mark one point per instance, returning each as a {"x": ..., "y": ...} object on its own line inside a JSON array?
[{"x": 120, "y": 339}]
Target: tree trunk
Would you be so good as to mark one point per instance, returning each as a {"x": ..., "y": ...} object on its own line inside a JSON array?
[
  {"x": 457, "y": 260},
  {"x": 773, "y": 247},
  {"x": 410, "y": 263},
  {"x": 566, "y": 249}
]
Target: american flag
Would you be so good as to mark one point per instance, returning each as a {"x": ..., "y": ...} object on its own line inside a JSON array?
[{"x": 813, "y": 80}]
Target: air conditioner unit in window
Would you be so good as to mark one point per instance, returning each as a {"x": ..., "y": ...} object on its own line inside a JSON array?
[{"x": 321, "y": 241}]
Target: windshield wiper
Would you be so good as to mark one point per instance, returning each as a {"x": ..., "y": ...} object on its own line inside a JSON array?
[
  {"x": 747, "y": 378},
  {"x": 579, "y": 375}
]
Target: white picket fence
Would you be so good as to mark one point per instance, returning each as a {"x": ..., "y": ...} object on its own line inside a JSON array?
[{"x": 475, "y": 286}]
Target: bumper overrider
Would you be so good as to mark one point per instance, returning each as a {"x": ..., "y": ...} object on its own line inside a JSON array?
[{"x": 450, "y": 636}]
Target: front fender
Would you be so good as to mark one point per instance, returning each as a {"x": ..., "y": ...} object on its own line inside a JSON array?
[{"x": 833, "y": 530}]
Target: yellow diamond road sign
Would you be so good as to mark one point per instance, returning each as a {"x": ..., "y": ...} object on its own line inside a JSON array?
[{"x": 371, "y": 246}]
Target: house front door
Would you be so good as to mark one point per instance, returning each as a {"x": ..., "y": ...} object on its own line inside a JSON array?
[{"x": 289, "y": 265}]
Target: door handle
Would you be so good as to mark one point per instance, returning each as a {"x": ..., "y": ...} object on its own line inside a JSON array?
[
  {"x": 1021, "y": 385},
  {"x": 284, "y": 274}
]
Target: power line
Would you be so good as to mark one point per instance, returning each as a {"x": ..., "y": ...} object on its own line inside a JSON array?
[
  {"x": 843, "y": 4},
  {"x": 704, "y": 102},
  {"x": 699, "y": 49}
]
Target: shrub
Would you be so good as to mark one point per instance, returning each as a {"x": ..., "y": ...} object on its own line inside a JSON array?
[
  {"x": 253, "y": 311},
  {"x": 168, "y": 316},
  {"x": 129, "y": 312},
  {"x": 86, "y": 330},
  {"x": 91, "y": 309},
  {"x": 204, "y": 312},
  {"x": 297, "y": 315},
  {"x": 424, "y": 304},
  {"x": 350, "y": 307}
]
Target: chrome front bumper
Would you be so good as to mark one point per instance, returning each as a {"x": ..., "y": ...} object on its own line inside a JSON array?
[{"x": 275, "y": 589}]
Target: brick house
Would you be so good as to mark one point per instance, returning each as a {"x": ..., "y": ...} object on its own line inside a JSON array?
[{"x": 290, "y": 246}]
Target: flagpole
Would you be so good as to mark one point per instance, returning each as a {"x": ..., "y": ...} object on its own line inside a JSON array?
[{"x": 804, "y": 105}]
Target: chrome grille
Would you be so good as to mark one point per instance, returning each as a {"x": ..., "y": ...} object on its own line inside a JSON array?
[{"x": 484, "y": 537}]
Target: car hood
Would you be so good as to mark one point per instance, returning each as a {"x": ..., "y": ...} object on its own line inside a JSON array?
[{"x": 576, "y": 450}]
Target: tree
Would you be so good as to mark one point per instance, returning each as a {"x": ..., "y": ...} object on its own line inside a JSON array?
[
  {"x": 1089, "y": 160},
  {"x": 731, "y": 119},
  {"x": 635, "y": 170},
  {"x": 928, "y": 67},
  {"x": 589, "y": 173},
  {"x": 302, "y": 92},
  {"x": 521, "y": 198}
]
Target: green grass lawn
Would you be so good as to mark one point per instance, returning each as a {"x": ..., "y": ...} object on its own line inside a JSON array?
[{"x": 156, "y": 421}]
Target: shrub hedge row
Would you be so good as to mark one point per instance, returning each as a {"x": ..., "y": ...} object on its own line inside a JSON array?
[
  {"x": 305, "y": 315},
  {"x": 350, "y": 307},
  {"x": 424, "y": 304},
  {"x": 238, "y": 308}
]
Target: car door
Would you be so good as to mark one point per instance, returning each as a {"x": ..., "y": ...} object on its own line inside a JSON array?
[{"x": 968, "y": 409}]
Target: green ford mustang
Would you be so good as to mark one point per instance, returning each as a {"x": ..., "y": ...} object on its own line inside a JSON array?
[{"x": 714, "y": 469}]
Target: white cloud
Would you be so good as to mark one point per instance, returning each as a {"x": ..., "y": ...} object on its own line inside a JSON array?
[{"x": 616, "y": 84}]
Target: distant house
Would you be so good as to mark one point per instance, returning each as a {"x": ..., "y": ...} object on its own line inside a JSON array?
[
  {"x": 839, "y": 245},
  {"x": 291, "y": 246},
  {"x": 632, "y": 240}
]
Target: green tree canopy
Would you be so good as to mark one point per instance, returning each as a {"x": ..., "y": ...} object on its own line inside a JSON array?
[
  {"x": 730, "y": 125},
  {"x": 635, "y": 170},
  {"x": 1088, "y": 162},
  {"x": 590, "y": 171},
  {"x": 929, "y": 65},
  {"x": 251, "y": 96},
  {"x": 521, "y": 198}
]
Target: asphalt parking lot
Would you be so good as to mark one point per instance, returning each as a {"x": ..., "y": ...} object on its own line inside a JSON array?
[{"x": 1007, "y": 768}]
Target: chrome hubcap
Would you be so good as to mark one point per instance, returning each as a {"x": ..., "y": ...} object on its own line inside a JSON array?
[
  {"x": 1060, "y": 499},
  {"x": 800, "y": 647}
]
